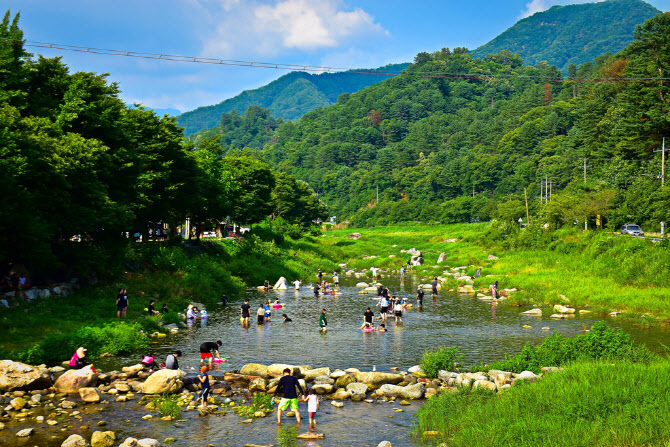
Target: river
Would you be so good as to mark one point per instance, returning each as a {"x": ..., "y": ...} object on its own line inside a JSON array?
[{"x": 485, "y": 332}]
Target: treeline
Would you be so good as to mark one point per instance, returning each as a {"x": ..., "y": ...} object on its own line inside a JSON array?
[
  {"x": 79, "y": 165},
  {"x": 461, "y": 139}
]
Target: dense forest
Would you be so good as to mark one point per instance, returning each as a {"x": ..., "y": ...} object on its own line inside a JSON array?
[
  {"x": 572, "y": 34},
  {"x": 289, "y": 97},
  {"x": 461, "y": 139},
  {"x": 81, "y": 171}
]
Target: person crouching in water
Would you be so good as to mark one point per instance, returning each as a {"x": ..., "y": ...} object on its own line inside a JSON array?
[{"x": 149, "y": 363}]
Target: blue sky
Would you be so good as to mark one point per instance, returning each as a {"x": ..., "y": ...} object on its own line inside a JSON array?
[{"x": 340, "y": 33}]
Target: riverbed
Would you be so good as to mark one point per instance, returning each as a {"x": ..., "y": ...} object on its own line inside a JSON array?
[{"x": 484, "y": 331}]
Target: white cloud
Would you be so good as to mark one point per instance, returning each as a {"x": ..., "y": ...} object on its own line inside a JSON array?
[
  {"x": 258, "y": 27},
  {"x": 542, "y": 5}
]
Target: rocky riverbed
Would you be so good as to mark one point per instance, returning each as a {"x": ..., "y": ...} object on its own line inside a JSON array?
[{"x": 39, "y": 400}]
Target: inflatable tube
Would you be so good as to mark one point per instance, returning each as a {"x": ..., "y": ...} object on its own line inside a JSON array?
[
  {"x": 370, "y": 329},
  {"x": 277, "y": 306}
]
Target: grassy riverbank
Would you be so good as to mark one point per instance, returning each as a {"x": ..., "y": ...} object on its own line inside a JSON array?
[
  {"x": 588, "y": 404},
  {"x": 595, "y": 270},
  {"x": 48, "y": 330},
  {"x": 610, "y": 392}
]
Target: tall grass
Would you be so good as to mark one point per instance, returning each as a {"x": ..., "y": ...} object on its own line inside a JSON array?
[{"x": 589, "y": 404}]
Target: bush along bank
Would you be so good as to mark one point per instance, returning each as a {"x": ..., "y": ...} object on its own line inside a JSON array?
[{"x": 596, "y": 389}]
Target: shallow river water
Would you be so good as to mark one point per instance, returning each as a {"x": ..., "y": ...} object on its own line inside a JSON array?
[{"x": 485, "y": 332}]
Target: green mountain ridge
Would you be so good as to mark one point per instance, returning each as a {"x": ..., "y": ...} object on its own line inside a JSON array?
[
  {"x": 288, "y": 97},
  {"x": 572, "y": 34},
  {"x": 561, "y": 36}
]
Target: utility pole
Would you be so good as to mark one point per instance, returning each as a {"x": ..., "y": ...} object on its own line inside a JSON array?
[
  {"x": 662, "y": 151},
  {"x": 585, "y": 166},
  {"x": 525, "y": 193}
]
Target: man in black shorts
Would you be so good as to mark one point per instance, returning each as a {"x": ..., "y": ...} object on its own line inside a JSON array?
[
  {"x": 316, "y": 289},
  {"x": 434, "y": 284},
  {"x": 419, "y": 297},
  {"x": 368, "y": 317},
  {"x": 245, "y": 309},
  {"x": 206, "y": 351}
]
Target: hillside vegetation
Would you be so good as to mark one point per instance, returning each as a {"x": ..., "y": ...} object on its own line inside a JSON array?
[
  {"x": 572, "y": 34},
  {"x": 288, "y": 97},
  {"x": 466, "y": 146}
]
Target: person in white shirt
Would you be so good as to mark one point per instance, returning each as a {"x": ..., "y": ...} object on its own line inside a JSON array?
[{"x": 296, "y": 283}]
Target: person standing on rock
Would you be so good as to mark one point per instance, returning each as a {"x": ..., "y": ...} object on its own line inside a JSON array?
[
  {"x": 206, "y": 351},
  {"x": 203, "y": 378},
  {"x": 245, "y": 310},
  {"x": 288, "y": 384},
  {"x": 171, "y": 361},
  {"x": 374, "y": 273},
  {"x": 323, "y": 321},
  {"x": 121, "y": 303}
]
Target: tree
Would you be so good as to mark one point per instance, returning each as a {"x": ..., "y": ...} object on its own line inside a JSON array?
[{"x": 252, "y": 186}]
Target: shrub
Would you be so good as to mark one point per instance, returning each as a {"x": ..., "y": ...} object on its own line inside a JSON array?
[
  {"x": 167, "y": 405},
  {"x": 601, "y": 342},
  {"x": 442, "y": 358}
]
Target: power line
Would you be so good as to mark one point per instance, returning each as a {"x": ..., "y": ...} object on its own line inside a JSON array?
[{"x": 312, "y": 68}]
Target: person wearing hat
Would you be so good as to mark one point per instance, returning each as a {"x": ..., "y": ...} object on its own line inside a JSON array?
[{"x": 78, "y": 359}]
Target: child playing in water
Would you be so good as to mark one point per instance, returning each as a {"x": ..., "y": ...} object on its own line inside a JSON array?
[
  {"x": 312, "y": 405},
  {"x": 204, "y": 383}
]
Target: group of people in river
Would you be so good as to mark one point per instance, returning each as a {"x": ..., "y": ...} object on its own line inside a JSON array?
[{"x": 263, "y": 313}]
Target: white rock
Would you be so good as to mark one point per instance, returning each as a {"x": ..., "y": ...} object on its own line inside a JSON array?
[
  {"x": 25, "y": 432},
  {"x": 534, "y": 312},
  {"x": 75, "y": 441}
]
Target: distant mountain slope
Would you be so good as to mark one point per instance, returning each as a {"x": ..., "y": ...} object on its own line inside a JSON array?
[
  {"x": 572, "y": 34},
  {"x": 288, "y": 97}
]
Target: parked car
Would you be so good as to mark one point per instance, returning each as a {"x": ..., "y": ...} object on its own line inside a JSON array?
[{"x": 632, "y": 229}]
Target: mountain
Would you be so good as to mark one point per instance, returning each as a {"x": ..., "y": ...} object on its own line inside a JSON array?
[
  {"x": 563, "y": 35},
  {"x": 288, "y": 97},
  {"x": 159, "y": 112},
  {"x": 477, "y": 146}
]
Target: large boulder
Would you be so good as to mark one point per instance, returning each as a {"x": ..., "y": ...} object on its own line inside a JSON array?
[
  {"x": 133, "y": 370},
  {"x": 164, "y": 381},
  {"x": 415, "y": 391},
  {"x": 259, "y": 384},
  {"x": 388, "y": 390},
  {"x": 75, "y": 441},
  {"x": 255, "y": 369},
  {"x": 527, "y": 375},
  {"x": 277, "y": 369},
  {"x": 345, "y": 380},
  {"x": 75, "y": 379},
  {"x": 15, "y": 376},
  {"x": 148, "y": 442},
  {"x": 441, "y": 258},
  {"x": 323, "y": 380},
  {"x": 314, "y": 373},
  {"x": 323, "y": 388},
  {"x": 533, "y": 312},
  {"x": 500, "y": 378},
  {"x": 103, "y": 439},
  {"x": 89, "y": 394},
  {"x": 357, "y": 388},
  {"x": 377, "y": 379},
  {"x": 485, "y": 384}
]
